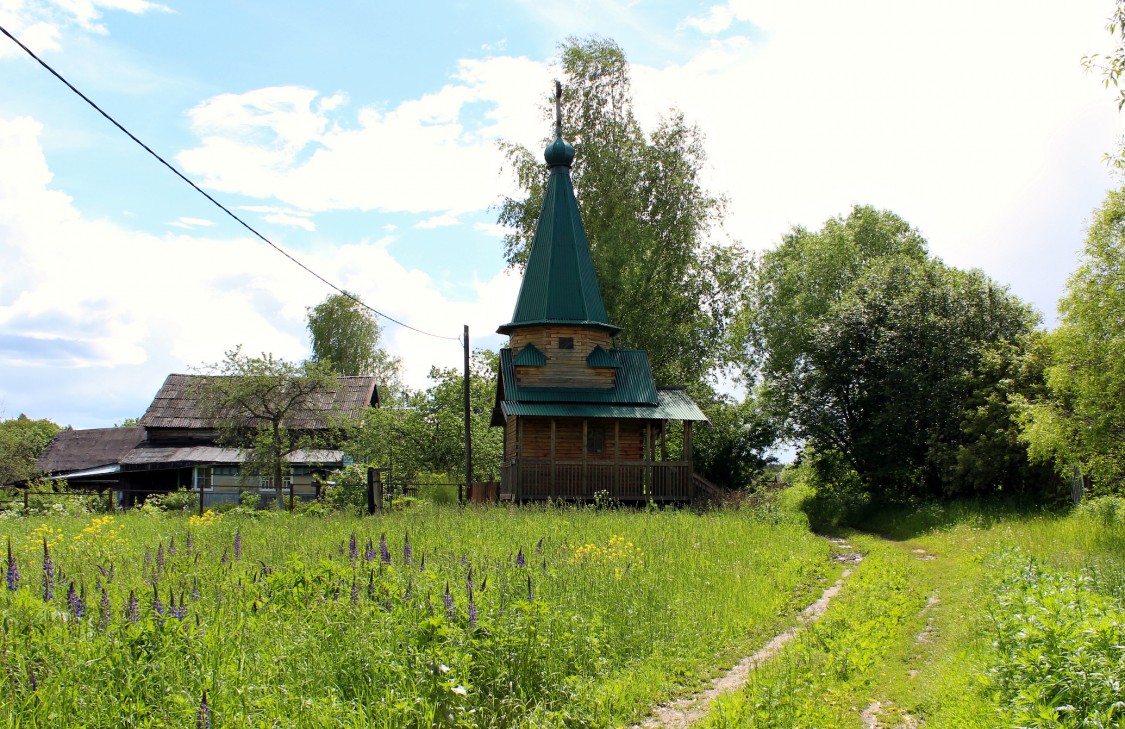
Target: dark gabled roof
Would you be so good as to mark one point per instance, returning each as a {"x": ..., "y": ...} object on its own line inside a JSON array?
[
  {"x": 559, "y": 283},
  {"x": 79, "y": 450},
  {"x": 177, "y": 405}
]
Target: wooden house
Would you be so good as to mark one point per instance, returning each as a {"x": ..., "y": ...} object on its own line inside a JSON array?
[
  {"x": 581, "y": 417},
  {"x": 176, "y": 446}
]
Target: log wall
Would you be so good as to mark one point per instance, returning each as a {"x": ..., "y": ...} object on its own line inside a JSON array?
[{"x": 565, "y": 367}]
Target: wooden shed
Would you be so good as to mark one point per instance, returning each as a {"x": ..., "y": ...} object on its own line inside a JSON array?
[{"x": 580, "y": 416}]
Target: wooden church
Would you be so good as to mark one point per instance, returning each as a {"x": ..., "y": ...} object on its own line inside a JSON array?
[{"x": 581, "y": 418}]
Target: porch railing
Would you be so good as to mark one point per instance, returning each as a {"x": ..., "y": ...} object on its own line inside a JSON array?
[{"x": 534, "y": 480}]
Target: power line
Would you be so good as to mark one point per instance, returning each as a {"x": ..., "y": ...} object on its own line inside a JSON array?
[{"x": 215, "y": 202}]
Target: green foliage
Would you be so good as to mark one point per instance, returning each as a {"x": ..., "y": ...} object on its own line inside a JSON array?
[
  {"x": 1081, "y": 420},
  {"x": 1060, "y": 649},
  {"x": 895, "y": 370},
  {"x": 799, "y": 282},
  {"x": 646, "y": 216},
  {"x": 348, "y": 490},
  {"x": 22, "y": 441},
  {"x": 426, "y": 431},
  {"x": 254, "y": 398},
  {"x": 734, "y": 451},
  {"x": 182, "y": 500},
  {"x": 345, "y": 337},
  {"x": 292, "y": 630}
]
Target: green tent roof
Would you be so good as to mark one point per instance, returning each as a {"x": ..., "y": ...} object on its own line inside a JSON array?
[{"x": 559, "y": 284}]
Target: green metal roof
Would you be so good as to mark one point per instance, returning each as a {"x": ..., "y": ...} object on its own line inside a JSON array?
[
  {"x": 530, "y": 356},
  {"x": 559, "y": 284},
  {"x": 672, "y": 405},
  {"x": 600, "y": 358}
]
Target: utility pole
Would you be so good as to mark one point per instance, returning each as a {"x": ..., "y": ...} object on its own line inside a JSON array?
[{"x": 468, "y": 427}]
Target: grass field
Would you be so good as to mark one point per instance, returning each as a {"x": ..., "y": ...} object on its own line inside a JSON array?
[
  {"x": 958, "y": 616},
  {"x": 968, "y": 616},
  {"x": 491, "y": 617}
]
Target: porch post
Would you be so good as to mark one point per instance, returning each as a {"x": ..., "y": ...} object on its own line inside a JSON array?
[
  {"x": 552, "y": 489},
  {"x": 616, "y": 457},
  {"x": 516, "y": 487},
  {"x": 688, "y": 457},
  {"x": 585, "y": 451}
]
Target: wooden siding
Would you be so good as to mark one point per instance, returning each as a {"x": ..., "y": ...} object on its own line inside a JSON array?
[
  {"x": 565, "y": 367},
  {"x": 569, "y": 439}
]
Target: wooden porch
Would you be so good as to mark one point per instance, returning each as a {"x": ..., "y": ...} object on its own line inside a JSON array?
[{"x": 628, "y": 481}]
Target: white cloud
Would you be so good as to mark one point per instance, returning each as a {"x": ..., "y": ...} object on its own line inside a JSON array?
[
  {"x": 191, "y": 223},
  {"x": 290, "y": 144},
  {"x": 89, "y": 295},
  {"x": 438, "y": 221},
  {"x": 39, "y": 24}
]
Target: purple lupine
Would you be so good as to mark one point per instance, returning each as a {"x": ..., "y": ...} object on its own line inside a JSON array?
[
  {"x": 407, "y": 550},
  {"x": 539, "y": 546},
  {"x": 472, "y": 610},
  {"x": 422, "y": 563},
  {"x": 48, "y": 573},
  {"x": 112, "y": 573},
  {"x": 384, "y": 553},
  {"x": 520, "y": 561},
  {"x": 469, "y": 580},
  {"x": 190, "y": 543},
  {"x": 369, "y": 550},
  {"x": 132, "y": 608},
  {"x": 157, "y": 605},
  {"x": 194, "y": 589},
  {"x": 179, "y": 612},
  {"x": 13, "y": 570},
  {"x": 104, "y": 612},
  {"x": 530, "y": 595},
  {"x": 171, "y": 546},
  {"x": 238, "y": 545},
  {"x": 353, "y": 548},
  {"x": 341, "y": 548},
  {"x": 73, "y": 603},
  {"x": 225, "y": 558},
  {"x": 203, "y": 716},
  {"x": 31, "y": 680},
  {"x": 371, "y": 585},
  {"x": 160, "y": 556},
  {"x": 355, "y": 591},
  {"x": 448, "y": 600}
]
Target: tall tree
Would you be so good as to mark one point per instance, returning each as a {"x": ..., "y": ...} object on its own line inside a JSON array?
[
  {"x": 647, "y": 217},
  {"x": 255, "y": 401},
  {"x": 799, "y": 282},
  {"x": 346, "y": 337},
  {"x": 426, "y": 433},
  {"x": 1081, "y": 421},
  {"x": 22, "y": 441}
]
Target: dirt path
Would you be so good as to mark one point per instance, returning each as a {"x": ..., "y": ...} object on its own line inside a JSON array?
[{"x": 688, "y": 710}]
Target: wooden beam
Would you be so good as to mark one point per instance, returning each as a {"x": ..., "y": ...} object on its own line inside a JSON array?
[
  {"x": 552, "y": 490},
  {"x": 585, "y": 455},
  {"x": 616, "y": 456},
  {"x": 516, "y": 490}
]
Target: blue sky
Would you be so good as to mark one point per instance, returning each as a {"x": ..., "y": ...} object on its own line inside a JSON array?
[{"x": 361, "y": 136}]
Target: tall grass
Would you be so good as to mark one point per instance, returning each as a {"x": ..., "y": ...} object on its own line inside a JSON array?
[{"x": 500, "y": 617}]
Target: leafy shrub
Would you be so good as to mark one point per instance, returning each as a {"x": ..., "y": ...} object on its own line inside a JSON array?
[
  {"x": 1060, "y": 649},
  {"x": 250, "y": 499},
  {"x": 1106, "y": 510}
]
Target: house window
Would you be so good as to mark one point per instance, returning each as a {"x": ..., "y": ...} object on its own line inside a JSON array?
[
  {"x": 566, "y": 342},
  {"x": 265, "y": 483},
  {"x": 202, "y": 479},
  {"x": 224, "y": 470},
  {"x": 595, "y": 440}
]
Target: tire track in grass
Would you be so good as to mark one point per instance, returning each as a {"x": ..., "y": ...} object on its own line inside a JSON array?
[{"x": 683, "y": 712}]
